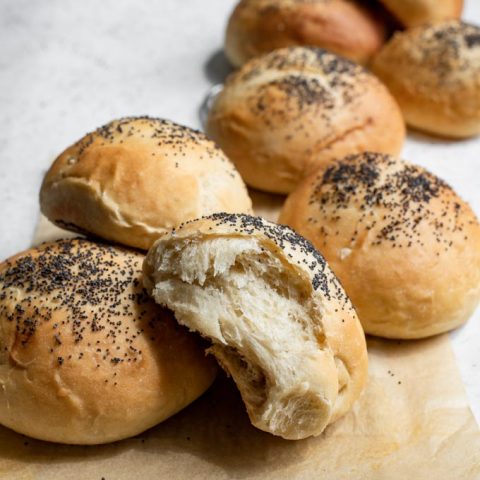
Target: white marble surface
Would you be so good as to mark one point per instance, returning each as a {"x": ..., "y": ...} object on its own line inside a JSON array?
[{"x": 68, "y": 66}]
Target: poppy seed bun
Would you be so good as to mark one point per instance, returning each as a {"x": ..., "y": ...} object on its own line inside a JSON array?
[
  {"x": 404, "y": 245},
  {"x": 286, "y": 113},
  {"x": 86, "y": 357},
  {"x": 344, "y": 27},
  {"x": 434, "y": 73},
  {"x": 411, "y": 13},
  {"x": 135, "y": 178},
  {"x": 279, "y": 322}
]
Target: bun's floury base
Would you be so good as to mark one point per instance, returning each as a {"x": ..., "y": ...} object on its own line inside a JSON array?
[{"x": 412, "y": 421}]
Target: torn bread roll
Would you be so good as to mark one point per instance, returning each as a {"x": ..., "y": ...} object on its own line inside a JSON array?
[
  {"x": 137, "y": 177},
  {"x": 404, "y": 245},
  {"x": 345, "y": 27},
  {"x": 286, "y": 113},
  {"x": 279, "y": 321},
  {"x": 86, "y": 357},
  {"x": 433, "y": 71}
]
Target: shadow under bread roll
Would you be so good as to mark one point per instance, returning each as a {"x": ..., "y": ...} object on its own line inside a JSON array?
[
  {"x": 279, "y": 321},
  {"x": 86, "y": 357},
  {"x": 286, "y": 113},
  {"x": 345, "y": 27},
  {"x": 404, "y": 245},
  {"x": 137, "y": 177}
]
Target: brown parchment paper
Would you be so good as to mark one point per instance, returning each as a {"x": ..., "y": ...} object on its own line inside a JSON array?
[{"x": 412, "y": 422}]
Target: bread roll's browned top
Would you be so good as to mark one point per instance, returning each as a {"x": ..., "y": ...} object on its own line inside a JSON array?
[
  {"x": 86, "y": 356},
  {"x": 134, "y": 178},
  {"x": 433, "y": 71},
  {"x": 404, "y": 245},
  {"x": 415, "y": 12},
  {"x": 284, "y": 114},
  {"x": 344, "y": 27}
]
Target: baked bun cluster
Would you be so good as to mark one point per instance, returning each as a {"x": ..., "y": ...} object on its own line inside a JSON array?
[
  {"x": 347, "y": 28},
  {"x": 412, "y": 13},
  {"x": 86, "y": 357},
  {"x": 403, "y": 244},
  {"x": 433, "y": 71},
  {"x": 134, "y": 178},
  {"x": 279, "y": 321},
  {"x": 85, "y": 349},
  {"x": 286, "y": 113}
]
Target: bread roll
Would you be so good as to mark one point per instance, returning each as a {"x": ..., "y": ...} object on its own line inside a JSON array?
[
  {"x": 284, "y": 114},
  {"x": 279, "y": 322},
  {"x": 135, "y": 178},
  {"x": 344, "y": 27},
  {"x": 415, "y": 12},
  {"x": 434, "y": 73},
  {"x": 86, "y": 356},
  {"x": 404, "y": 245}
]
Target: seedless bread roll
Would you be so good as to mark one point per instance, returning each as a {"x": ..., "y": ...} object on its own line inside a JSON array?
[
  {"x": 135, "y": 178},
  {"x": 279, "y": 322},
  {"x": 434, "y": 73},
  {"x": 86, "y": 356},
  {"x": 404, "y": 245},
  {"x": 344, "y": 27},
  {"x": 415, "y": 12},
  {"x": 284, "y": 114}
]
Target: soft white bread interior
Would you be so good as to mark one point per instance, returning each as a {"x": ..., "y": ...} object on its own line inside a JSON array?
[
  {"x": 86, "y": 356},
  {"x": 404, "y": 245},
  {"x": 284, "y": 114},
  {"x": 279, "y": 322},
  {"x": 136, "y": 177}
]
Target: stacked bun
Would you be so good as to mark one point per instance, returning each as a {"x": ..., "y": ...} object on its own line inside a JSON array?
[
  {"x": 85, "y": 356},
  {"x": 433, "y": 71},
  {"x": 404, "y": 245},
  {"x": 137, "y": 177},
  {"x": 285, "y": 114},
  {"x": 347, "y": 28}
]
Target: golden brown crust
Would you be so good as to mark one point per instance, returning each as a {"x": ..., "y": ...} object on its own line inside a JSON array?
[
  {"x": 136, "y": 177},
  {"x": 412, "y": 13},
  {"x": 342, "y": 329},
  {"x": 284, "y": 114},
  {"x": 404, "y": 245},
  {"x": 85, "y": 356},
  {"x": 344, "y": 27},
  {"x": 434, "y": 73}
]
